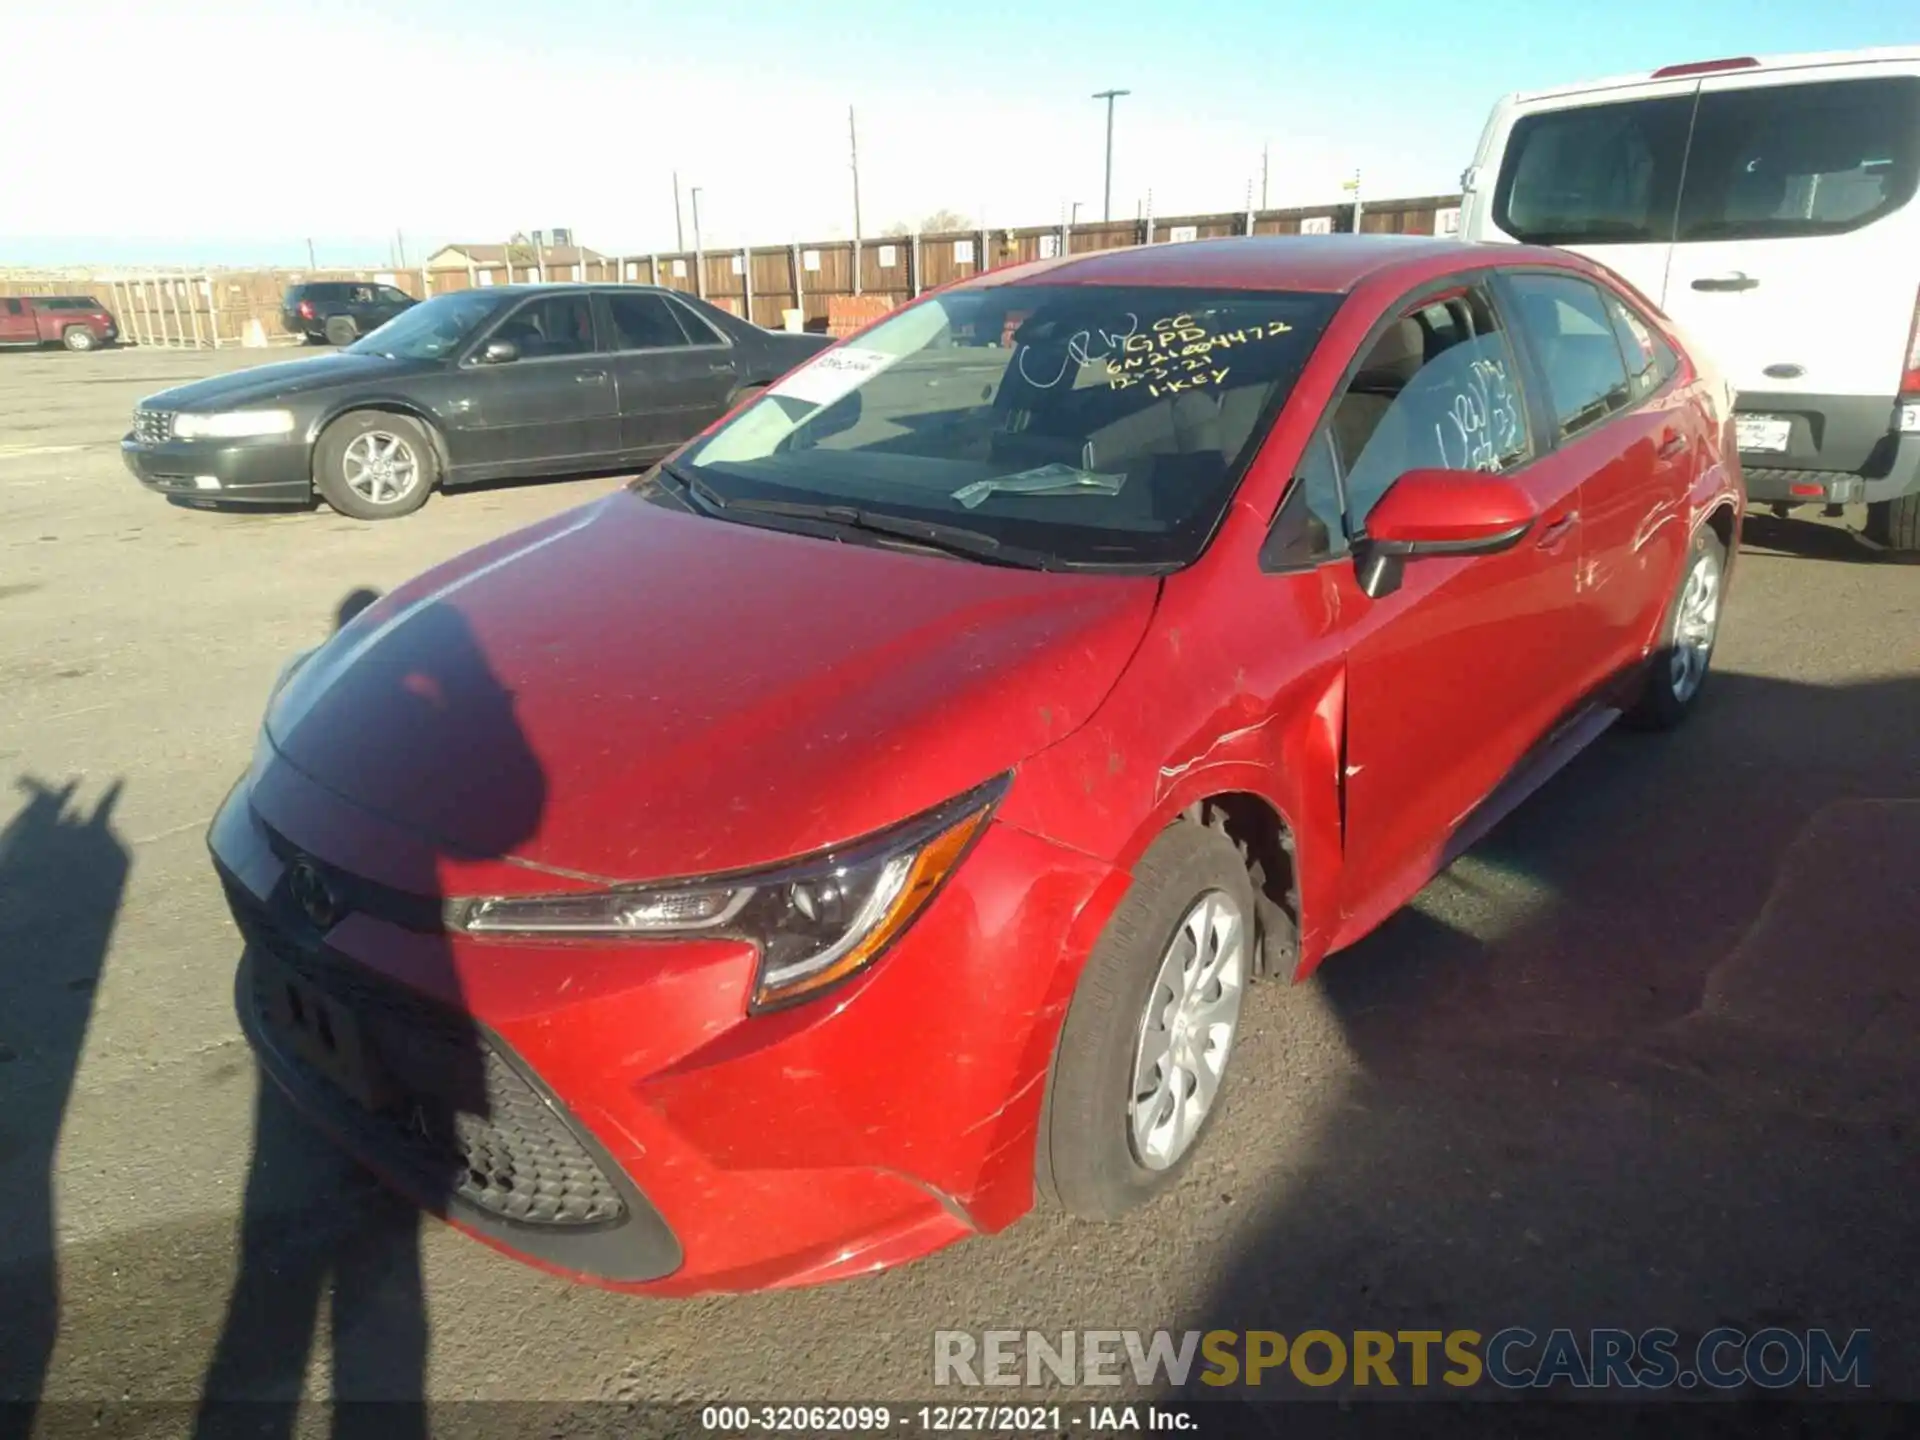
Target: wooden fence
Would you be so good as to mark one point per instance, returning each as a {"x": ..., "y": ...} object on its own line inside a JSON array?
[{"x": 761, "y": 283}]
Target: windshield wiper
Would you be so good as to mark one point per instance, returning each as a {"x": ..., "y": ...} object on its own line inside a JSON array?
[
  {"x": 932, "y": 534},
  {"x": 692, "y": 486}
]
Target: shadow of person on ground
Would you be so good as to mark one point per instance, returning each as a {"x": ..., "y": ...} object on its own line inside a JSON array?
[
  {"x": 63, "y": 872},
  {"x": 1682, "y": 1090},
  {"x": 414, "y": 725}
]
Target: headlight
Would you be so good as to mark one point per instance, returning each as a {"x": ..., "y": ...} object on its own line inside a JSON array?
[
  {"x": 232, "y": 424},
  {"x": 815, "y": 922}
]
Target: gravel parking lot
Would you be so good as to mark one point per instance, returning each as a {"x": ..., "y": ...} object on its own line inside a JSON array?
[{"x": 1647, "y": 1056}]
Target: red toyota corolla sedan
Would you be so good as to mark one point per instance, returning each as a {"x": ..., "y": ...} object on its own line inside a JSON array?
[{"x": 872, "y": 817}]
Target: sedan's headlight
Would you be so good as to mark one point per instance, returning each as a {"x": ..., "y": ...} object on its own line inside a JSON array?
[
  {"x": 815, "y": 922},
  {"x": 232, "y": 424}
]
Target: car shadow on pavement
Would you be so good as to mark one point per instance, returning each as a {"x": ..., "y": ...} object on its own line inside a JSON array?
[
  {"x": 318, "y": 1235},
  {"x": 63, "y": 872},
  {"x": 1677, "y": 1085}
]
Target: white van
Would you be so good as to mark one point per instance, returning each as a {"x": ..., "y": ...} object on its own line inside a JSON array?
[{"x": 1769, "y": 207}]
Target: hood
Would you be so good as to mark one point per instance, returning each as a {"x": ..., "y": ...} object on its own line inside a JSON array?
[
  {"x": 630, "y": 693},
  {"x": 263, "y": 384}
]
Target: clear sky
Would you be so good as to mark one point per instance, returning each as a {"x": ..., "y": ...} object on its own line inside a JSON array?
[{"x": 231, "y": 131}]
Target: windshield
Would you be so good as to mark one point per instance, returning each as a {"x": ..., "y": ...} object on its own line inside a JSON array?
[
  {"x": 431, "y": 330},
  {"x": 1091, "y": 424}
]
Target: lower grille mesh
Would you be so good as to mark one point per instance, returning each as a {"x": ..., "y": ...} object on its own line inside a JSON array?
[{"x": 454, "y": 1117}]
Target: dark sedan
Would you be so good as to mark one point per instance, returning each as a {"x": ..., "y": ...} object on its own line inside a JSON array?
[{"x": 477, "y": 385}]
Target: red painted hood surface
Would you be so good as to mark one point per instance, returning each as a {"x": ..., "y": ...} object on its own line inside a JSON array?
[{"x": 626, "y": 692}]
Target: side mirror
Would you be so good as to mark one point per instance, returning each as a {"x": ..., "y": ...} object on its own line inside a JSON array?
[
  {"x": 499, "y": 352},
  {"x": 1440, "y": 512}
]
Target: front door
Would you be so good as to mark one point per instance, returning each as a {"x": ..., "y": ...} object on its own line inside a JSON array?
[
  {"x": 552, "y": 405},
  {"x": 1453, "y": 678},
  {"x": 17, "y": 325},
  {"x": 673, "y": 375}
]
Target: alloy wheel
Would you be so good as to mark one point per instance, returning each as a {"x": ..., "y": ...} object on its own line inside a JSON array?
[
  {"x": 380, "y": 467},
  {"x": 1187, "y": 1033}
]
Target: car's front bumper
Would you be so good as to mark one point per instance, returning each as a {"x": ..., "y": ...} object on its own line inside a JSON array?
[
  {"x": 839, "y": 1137},
  {"x": 271, "y": 470}
]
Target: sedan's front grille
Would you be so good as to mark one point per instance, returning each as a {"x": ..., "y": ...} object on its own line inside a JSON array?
[
  {"x": 457, "y": 1120},
  {"x": 154, "y": 427}
]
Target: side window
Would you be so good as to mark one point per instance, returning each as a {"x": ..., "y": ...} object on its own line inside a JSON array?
[
  {"x": 360, "y": 295},
  {"x": 392, "y": 295},
  {"x": 1440, "y": 389},
  {"x": 555, "y": 325},
  {"x": 1571, "y": 334},
  {"x": 643, "y": 322},
  {"x": 1650, "y": 360},
  {"x": 1801, "y": 159},
  {"x": 1594, "y": 175},
  {"x": 699, "y": 331},
  {"x": 1308, "y": 528},
  {"x": 14, "y": 307}
]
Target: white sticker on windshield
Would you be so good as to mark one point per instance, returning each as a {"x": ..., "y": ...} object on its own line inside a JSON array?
[{"x": 826, "y": 378}]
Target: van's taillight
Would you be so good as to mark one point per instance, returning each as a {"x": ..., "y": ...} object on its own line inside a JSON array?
[
  {"x": 306, "y": 309},
  {"x": 1704, "y": 67},
  {"x": 1910, "y": 372}
]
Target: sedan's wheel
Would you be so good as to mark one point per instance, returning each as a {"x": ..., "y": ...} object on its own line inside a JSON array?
[
  {"x": 1679, "y": 667},
  {"x": 372, "y": 465},
  {"x": 78, "y": 337},
  {"x": 1187, "y": 1030},
  {"x": 1143, "y": 1055}
]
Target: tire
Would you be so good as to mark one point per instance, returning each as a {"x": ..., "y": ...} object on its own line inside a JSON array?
[
  {"x": 78, "y": 338},
  {"x": 1677, "y": 671},
  {"x": 348, "y": 465},
  {"x": 1896, "y": 523},
  {"x": 1091, "y": 1159},
  {"x": 341, "y": 330}
]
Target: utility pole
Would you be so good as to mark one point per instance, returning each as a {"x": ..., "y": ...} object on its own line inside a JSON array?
[
  {"x": 679, "y": 236},
  {"x": 853, "y": 149},
  {"x": 400, "y": 240},
  {"x": 311, "y": 263},
  {"x": 1263, "y": 176},
  {"x": 699, "y": 255},
  {"x": 1110, "y": 96}
]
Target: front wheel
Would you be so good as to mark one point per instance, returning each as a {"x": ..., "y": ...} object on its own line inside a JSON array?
[
  {"x": 1677, "y": 671},
  {"x": 1144, "y": 1051},
  {"x": 372, "y": 465}
]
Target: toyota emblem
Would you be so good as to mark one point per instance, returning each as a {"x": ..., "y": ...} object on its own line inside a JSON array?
[{"x": 313, "y": 895}]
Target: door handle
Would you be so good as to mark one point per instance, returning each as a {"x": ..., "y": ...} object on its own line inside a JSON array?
[
  {"x": 590, "y": 377},
  {"x": 1555, "y": 535},
  {"x": 1738, "y": 280},
  {"x": 1672, "y": 446}
]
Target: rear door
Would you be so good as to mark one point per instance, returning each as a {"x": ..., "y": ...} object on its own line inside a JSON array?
[
  {"x": 1599, "y": 174},
  {"x": 1797, "y": 252},
  {"x": 17, "y": 323},
  {"x": 672, "y": 372},
  {"x": 1632, "y": 443}
]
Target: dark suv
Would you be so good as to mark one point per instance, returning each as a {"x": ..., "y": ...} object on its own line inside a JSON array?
[{"x": 339, "y": 312}]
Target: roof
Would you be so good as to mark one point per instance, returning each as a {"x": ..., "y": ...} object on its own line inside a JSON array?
[
  {"x": 522, "y": 254},
  {"x": 1909, "y": 53},
  {"x": 1325, "y": 263}
]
